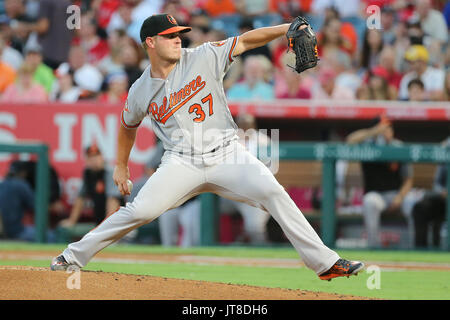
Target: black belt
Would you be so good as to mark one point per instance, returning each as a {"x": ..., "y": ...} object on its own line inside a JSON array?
[{"x": 226, "y": 144}]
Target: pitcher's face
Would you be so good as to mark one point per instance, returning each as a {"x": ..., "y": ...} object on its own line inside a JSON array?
[{"x": 168, "y": 47}]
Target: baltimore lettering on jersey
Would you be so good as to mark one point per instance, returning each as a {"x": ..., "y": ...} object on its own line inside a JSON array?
[{"x": 177, "y": 99}]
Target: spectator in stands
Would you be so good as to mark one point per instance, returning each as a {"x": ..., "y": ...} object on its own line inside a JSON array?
[
  {"x": 121, "y": 18},
  {"x": 388, "y": 25},
  {"x": 95, "y": 47},
  {"x": 377, "y": 83},
  {"x": 387, "y": 185},
  {"x": 331, "y": 39},
  {"x": 431, "y": 210},
  {"x": 261, "y": 12},
  {"x": 371, "y": 49},
  {"x": 98, "y": 187},
  {"x": 18, "y": 21},
  {"x": 7, "y": 73},
  {"x": 289, "y": 9},
  {"x": 236, "y": 70},
  {"x": 200, "y": 24},
  {"x": 177, "y": 10},
  {"x": 224, "y": 16},
  {"x": 64, "y": 89},
  {"x": 347, "y": 30},
  {"x": 346, "y": 71},
  {"x": 401, "y": 44},
  {"x": 288, "y": 83},
  {"x": 53, "y": 34},
  {"x": 130, "y": 60},
  {"x": 432, "y": 21},
  {"x": 16, "y": 199},
  {"x": 9, "y": 55},
  {"x": 130, "y": 15},
  {"x": 416, "y": 90},
  {"x": 417, "y": 36},
  {"x": 432, "y": 78},
  {"x": 103, "y": 11},
  {"x": 387, "y": 61},
  {"x": 42, "y": 74},
  {"x": 24, "y": 90},
  {"x": 112, "y": 62},
  {"x": 346, "y": 9},
  {"x": 117, "y": 89},
  {"x": 253, "y": 85},
  {"x": 326, "y": 88},
  {"x": 87, "y": 77}
]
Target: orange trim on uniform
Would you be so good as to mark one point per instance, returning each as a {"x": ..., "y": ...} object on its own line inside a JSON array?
[
  {"x": 175, "y": 29},
  {"x": 230, "y": 57},
  {"x": 122, "y": 120}
]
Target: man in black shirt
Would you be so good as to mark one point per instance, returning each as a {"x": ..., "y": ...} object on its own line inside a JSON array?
[
  {"x": 387, "y": 185},
  {"x": 97, "y": 187},
  {"x": 430, "y": 211}
]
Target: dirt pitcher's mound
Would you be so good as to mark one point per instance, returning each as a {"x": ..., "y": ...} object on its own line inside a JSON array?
[{"x": 31, "y": 283}]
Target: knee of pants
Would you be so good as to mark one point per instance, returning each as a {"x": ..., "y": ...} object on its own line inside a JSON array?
[
  {"x": 373, "y": 201},
  {"x": 271, "y": 192},
  {"x": 146, "y": 211}
]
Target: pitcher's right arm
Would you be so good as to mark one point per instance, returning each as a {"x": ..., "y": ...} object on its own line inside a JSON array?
[{"x": 125, "y": 141}]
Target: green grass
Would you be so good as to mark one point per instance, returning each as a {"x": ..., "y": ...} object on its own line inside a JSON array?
[
  {"x": 248, "y": 252},
  {"x": 398, "y": 285}
]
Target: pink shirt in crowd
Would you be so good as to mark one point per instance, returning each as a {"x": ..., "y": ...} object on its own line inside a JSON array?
[{"x": 13, "y": 93}]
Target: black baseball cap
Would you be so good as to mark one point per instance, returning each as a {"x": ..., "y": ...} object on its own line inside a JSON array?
[{"x": 160, "y": 24}]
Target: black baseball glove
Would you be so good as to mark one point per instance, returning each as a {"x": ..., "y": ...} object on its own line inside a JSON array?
[{"x": 303, "y": 43}]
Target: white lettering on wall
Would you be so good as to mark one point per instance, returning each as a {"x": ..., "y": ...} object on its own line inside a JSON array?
[
  {"x": 105, "y": 138},
  {"x": 65, "y": 151}
]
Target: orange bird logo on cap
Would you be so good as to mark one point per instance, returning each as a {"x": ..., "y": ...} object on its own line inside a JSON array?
[{"x": 171, "y": 19}]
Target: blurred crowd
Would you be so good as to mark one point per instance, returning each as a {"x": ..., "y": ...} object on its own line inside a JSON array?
[{"x": 369, "y": 49}]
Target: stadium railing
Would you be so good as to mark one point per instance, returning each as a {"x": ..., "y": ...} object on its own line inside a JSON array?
[
  {"x": 329, "y": 153},
  {"x": 42, "y": 182}
]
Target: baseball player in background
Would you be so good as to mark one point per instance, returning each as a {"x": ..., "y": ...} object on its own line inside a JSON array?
[{"x": 182, "y": 93}]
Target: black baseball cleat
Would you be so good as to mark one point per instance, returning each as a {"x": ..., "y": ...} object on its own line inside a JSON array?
[{"x": 342, "y": 268}]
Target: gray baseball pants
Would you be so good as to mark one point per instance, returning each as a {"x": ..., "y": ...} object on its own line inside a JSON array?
[{"x": 230, "y": 172}]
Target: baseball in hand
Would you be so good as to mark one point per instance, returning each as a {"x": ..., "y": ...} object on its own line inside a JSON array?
[{"x": 130, "y": 185}]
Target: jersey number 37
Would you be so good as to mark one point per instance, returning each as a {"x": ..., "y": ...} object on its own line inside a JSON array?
[{"x": 198, "y": 110}]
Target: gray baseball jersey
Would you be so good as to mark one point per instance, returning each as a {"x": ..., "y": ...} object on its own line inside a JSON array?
[{"x": 188, "y": 110}]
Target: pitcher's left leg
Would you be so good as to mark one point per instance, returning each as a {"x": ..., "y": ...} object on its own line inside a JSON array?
[{"x": 251, "y": 182}]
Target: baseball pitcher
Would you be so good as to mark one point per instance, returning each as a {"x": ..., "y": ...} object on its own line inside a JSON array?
[{"x": 182, "y": 93}]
